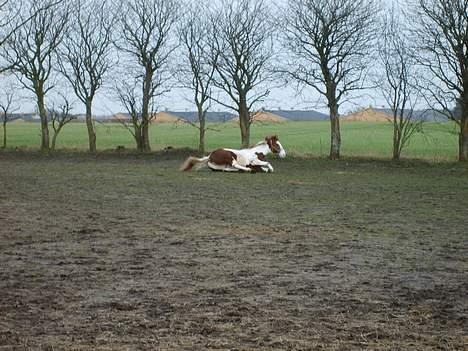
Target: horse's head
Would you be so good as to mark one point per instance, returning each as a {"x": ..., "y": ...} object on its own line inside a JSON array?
[{"x": 275, "y": 146}]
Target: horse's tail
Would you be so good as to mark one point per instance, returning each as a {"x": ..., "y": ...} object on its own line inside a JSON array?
[{"x": 192, "y": 161}]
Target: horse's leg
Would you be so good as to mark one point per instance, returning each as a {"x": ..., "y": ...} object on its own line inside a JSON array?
[
  {"x": 263, "y": 164},
  {"x": 221, "y": 168},
  {"x": 236, "y": 165},
  {"x": 258, "y": 169}
]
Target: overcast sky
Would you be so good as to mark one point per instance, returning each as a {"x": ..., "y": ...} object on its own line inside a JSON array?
[{"x": 284, "y": 97}]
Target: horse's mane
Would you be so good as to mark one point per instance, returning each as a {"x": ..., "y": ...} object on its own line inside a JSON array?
[{"x": 263, "y": 142}]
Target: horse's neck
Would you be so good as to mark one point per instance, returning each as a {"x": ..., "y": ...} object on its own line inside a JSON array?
[{"x": 263, "y": 148}]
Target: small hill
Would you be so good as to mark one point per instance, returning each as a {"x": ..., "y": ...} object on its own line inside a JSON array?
[
  {"x": 427, "y": 115},
  {"x": 264, "y": 117},
  {"x": 166, "y": 117},
  {"x": 367, "y": 115},
  {"x": 227, "y": 116},
  {"x": 120, "y": 117},
  {"x": 160, "y": 117}
]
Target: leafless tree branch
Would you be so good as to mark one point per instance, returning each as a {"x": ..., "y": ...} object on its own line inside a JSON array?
[
  {"x": 329, "y": 43},
  {"x": 196, "y": 72},
  {"x": 85, "y": 53},
  {"x": 398, "y": 80},
  {"x": 147, "y": 38},
  {"x": 241, "y": 50},
  {"x": 31, "y": 49},
  {"x": 7, "y": 106},
  {"x": 59, "y": 117},
  {"x": 441, "y": 41}
]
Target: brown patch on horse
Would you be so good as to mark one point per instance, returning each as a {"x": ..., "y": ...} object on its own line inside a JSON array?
[
  {"x": 272, "y": 142},
  {"x": 261, "y": 156},
  {"x": 222, "y": 157}
]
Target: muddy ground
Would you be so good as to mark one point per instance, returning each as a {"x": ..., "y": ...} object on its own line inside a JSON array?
[{"x": 123, "y": 252}]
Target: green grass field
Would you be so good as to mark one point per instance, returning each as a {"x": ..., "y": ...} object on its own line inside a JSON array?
[{"x": 363, "y": 139}]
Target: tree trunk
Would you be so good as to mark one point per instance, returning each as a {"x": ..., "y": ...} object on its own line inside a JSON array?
[
  {"x": 145, "y": 136},
  {"x": 54, "y": 140},
  {"x": 396, "y": 148},
  {"x": 90, "y": 126},
  {"x": 463, "y": 139},
  {"x": 335, "y": 137},
  {"x": 141, "y": 132},
  {"x": 396, "y": 139},
  {"x": 4, "y": 133},
  {"x": 145, "y": 117},
  {"x": 141, "y": 143},
  {"x": 44, "y": 122},
  {"x": 201, "y": 120},
  {"x": 139, "y": 139},
  {"x": 244, "y": 122}
]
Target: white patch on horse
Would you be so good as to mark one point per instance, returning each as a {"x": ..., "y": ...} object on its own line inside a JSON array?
[
  {"x": 244, "y": 156},
  {"x": 237, "y": 165},
  {"x": 282, "y": 153},
  {"x": 224, "y": 168}
]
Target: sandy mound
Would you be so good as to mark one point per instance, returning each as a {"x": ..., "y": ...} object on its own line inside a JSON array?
[
  {"x": 367, "y": 115},
  {"x": 119, "y": 117},
  {"x": 264, "y": 117},
  {"x": 164, "y": 117},
  {"x": 160, "y": 117}
]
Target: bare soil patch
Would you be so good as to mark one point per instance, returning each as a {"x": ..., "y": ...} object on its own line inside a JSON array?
[{"x": 119, "y": 251}]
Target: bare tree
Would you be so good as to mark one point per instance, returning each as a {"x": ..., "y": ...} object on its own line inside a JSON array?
[
  {"x": 329, "y": 42},
  {"x": 442, "y": 41},
  {"x": 85, "y": 54},
  {"x": 59, "y": 117},
  {"x": 7, "y": 102},
  {"x": 398, "y": 79},
  {"x": 458, "y": 110},
  {"x": 9, "y": 23},
  {"x": 146, "y": 27},
  {"x": 31, "y": 49},
  {"x": 8, "y": 11},
  {"x": 129, "y": 97},
  {"x": 241, "y": 49},
  {"x": 196, "y": 71}
]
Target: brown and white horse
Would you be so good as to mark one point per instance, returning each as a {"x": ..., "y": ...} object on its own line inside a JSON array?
[{"x": 232, "y": 160}]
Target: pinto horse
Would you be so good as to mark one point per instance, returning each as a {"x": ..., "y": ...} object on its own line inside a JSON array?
[{"x": 247, "y": 160}]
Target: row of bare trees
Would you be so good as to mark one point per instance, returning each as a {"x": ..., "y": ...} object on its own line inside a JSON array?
[{"x": 232, "y": 52}]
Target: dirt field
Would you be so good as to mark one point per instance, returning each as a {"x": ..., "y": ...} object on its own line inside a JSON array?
[{"x": 123, "y": 252}]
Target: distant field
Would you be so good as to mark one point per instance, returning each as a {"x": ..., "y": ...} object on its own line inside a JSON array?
[{"x": 368, "y": 139}]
